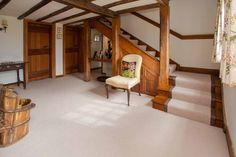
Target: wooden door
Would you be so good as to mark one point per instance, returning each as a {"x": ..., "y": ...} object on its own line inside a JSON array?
[
  {"x": 39, "y": 51},
  {"x": 71, "y": 50}
]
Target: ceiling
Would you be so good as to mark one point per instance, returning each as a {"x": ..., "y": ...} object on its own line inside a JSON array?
[{"x": 16, "y": 8}]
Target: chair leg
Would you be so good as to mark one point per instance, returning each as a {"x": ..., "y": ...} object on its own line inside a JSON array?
[
  {"x": 128, "y": 94},
  {"x": 139, "y": 86},
  {"x": 107, "y": 90}
]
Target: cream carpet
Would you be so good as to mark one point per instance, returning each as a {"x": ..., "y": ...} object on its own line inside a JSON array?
[
  {"x": 74, "y": 119},
  {"x": 191, "y": 97}
]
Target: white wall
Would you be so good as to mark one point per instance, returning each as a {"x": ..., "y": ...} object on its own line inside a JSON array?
[
  {"x": 230, "y": 109},
  {"x": 11, "y": 46},
  {"x": 187, "y": 17},
  {"x": 59, "y": 51}
]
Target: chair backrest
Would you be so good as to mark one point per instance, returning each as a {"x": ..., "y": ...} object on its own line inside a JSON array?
[{"x": 134, "y": 58}]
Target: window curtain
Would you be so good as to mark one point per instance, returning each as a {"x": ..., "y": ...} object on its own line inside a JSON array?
[{"x": 225, "y": 41}]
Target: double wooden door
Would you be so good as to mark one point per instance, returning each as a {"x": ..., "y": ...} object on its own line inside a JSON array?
[
  {"x": 72, "y": 49},
  {"x": 39, "y": 51}
]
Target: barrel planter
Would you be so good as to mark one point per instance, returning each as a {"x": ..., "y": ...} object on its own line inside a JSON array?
[{"x": 14, "y": 116}]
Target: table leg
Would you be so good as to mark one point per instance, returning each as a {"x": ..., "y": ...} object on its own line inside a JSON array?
[
  {"x": 18, "y": 77},
  {"x": 24, "y": 75}
]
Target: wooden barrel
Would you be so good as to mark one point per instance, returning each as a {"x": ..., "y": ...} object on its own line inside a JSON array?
[{"x": 15, "y": 116}]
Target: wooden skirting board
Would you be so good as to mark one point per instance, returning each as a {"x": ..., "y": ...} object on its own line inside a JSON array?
[
  {"x": 199, "y": 70},
  {"x": 216, "y": 102}
]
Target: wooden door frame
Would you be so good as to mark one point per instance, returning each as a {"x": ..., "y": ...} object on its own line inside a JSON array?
[
  {"x": 64, "y": 50},
  {"x": 52, "y": 48}
]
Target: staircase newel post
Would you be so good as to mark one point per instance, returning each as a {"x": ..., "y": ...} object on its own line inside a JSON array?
[
  {"x": 115, "y": 44},
  {"x": 164, "y": 90},
  {"x": 164, "y": 47},
  {"x": 87, "y": 51}
]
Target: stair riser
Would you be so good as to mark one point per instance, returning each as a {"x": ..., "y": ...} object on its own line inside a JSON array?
[{"x": 144, "y": 48}]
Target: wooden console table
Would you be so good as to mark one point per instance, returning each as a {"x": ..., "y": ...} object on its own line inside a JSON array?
[
  {"x": 10, "y": 66},
  {"x": 102, "y": 60}
]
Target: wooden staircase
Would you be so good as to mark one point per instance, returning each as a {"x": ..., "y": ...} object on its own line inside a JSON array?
[
  {"x": 131, "y": 44},
  {"x": 172, "y": 101},
  {"x": 148, "y": 75}
]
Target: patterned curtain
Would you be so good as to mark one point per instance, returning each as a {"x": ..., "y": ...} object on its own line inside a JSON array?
[{"x": 225, "y": 41}]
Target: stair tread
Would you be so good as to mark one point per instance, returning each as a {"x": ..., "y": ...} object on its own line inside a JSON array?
[
  {"x": 190, "y": 110},
  {"x": 193, "y": 81},
  {"x": 192, "y": 95}
]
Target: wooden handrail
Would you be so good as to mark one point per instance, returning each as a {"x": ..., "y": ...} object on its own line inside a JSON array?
[{"x": 174, "y": 33}]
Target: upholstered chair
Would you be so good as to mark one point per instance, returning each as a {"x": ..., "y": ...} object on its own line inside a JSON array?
[{"x": 126, "y": 83}]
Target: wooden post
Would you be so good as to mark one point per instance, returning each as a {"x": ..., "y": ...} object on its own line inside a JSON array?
[
  {"x": 115, "y": 44},
  {"x": 164, "y": 50},
  {"x": 87, "y": 51},
  {"x": 26, "y": 59}
]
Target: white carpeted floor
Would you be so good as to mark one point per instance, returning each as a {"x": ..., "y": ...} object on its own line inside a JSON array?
[{"x": 74, "y": 119}]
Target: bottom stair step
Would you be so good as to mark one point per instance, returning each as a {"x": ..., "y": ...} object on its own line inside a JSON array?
[{"x": 189, "y": 110}]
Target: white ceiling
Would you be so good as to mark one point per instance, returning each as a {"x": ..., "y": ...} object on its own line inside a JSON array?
[
  {"x": 104, "y": 2},
  {"x": 16, "y": 8},
  {"x": 80, "y": 18},
  {"x": 49, "y": 8},
  {"x": 133, "y": 4},
  {"x": 64, "y": 14}
]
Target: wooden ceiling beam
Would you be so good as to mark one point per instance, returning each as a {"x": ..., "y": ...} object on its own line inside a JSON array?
[
  {"x": 144, "y": 7},
  {"x": 4, "y": 3},
  {"x": 55, "y": 13},
  {"x": 88, "y": 6},
  {"x": 74, "y": 22},
  {"x": 58, "y": 12},
  {"x": 34, "y": 8},
  {"x": 118, "y": 3},
  {"x": 86, "y": 12},
  {"x": 71, "y": 17}
]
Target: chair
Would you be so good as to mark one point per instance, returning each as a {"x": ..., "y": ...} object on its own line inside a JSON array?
[{"x": 126, "y": 83}]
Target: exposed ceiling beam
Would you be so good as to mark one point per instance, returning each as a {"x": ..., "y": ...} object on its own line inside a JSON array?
[
  {"x": 86, "y": 12},
  {"x": 129, "y": 10},
  {"x": 72, "y": 16},
  {"x": 55, "y": 13},
  {"x": 4, "y": 3},
  {"x": 118, "y": 3},
  {"x": 84, "y": 4},
  {"x": 59, "y": 12},
  {"x": 34, "y": 8},
  {"x": 74, "y": 22}
]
